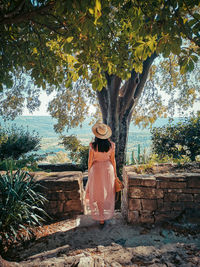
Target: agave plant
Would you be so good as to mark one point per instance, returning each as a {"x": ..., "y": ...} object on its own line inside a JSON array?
[{"x": 20, "y": 206}]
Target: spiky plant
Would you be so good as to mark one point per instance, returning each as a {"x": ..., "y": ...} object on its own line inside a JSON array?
[{"x": 20, "y": 206}]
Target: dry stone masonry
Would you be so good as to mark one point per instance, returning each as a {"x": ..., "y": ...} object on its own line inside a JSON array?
[
  {"x": 64, "y": 191},
  {"x": 152, "y": 198}
]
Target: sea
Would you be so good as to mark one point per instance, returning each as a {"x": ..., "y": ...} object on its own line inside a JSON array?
[{"x": 50, "y": 140}]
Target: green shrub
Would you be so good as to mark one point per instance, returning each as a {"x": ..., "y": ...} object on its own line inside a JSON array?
[
  {"x": 16, "y": 141},
  {"x": 28, "y": 163},
  {"x": 20, "y": 206},
  {"x": 182, "y": 139},
  {"x": 78, "y": 153}
]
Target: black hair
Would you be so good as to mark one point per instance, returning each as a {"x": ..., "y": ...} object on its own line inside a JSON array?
[{"x": 103, "y": 145}]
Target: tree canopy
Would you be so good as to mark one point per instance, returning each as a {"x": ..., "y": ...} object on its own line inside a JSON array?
[{"x": 57, "y": 42}]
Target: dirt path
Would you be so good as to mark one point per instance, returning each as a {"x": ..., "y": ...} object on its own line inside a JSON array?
[{"x": 80, "y": 242}]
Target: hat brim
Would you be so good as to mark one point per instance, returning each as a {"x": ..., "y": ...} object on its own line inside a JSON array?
[{"x": 106, "y": 136}]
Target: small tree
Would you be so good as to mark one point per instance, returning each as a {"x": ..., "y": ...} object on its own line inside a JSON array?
[
  {"x": 16, "y": 141},
  {"x": 177, "y": 140},
  {"x": 78, "y": 152}
]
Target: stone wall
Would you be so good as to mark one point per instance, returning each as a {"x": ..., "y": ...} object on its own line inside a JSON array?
[
  {"x": 64, "y": 191},
  {"x": 152, "y": 198}
]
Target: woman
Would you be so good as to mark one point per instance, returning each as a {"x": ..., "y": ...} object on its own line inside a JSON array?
[{"x": 100, "y": 188}]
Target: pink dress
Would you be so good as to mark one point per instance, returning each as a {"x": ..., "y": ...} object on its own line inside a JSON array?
[{"x": 100, "y": 188}]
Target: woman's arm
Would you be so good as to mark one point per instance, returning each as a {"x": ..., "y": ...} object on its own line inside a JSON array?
[
  {"x": 113, "y": 159},
  {"x": 90, "y": 158}
]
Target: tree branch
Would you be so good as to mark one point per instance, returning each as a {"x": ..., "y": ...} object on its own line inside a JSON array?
[
  {"x": 16, "y": 10},
  {"x": 26, "y": 16},
  {"x": 129, "y": 91},
  {"x": 143, "y": 77},
  {"x": 127, "y": 107},
  {"x": 114, "y": 90},
  {"x": 186, "y": 30},
  {"x": 47, "y": 26}
]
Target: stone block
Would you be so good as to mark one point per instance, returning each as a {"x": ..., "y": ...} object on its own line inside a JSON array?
[
  {"x": 166, "y": 206},
  {"x": 73, "y": 194},
  {"x": 171, "y": 177},
  {"x": 194, "y": 180},
  {"x": 50, "y": 211},
  {"x": 141, "y": 180},
  {"x": 189, "y": 205},
  {"x": 185, "y": 197},
  {"x": 170, "y": 184},
  {"x": 170, "y": 197},
  {"x": 146, "y": 217},
  {"x": 149, "y": 204},
  {"x": 53, "y": 195},
  {"x": 55, "y": 207},
  {"x": 165, "y": 216},
  {"x": 54, "y": 185},
  {"x": 72, "y": 205},
  {"x": 197, "y": 197},
  {"x": 143, "y": 192},
  {"x": 61, "y": 196},
  {"x": 52, "y": 204},
  {"x": 191, "y": 190},
  {"x": 178, "y": 206},
  {"x": 159, "y": 203},
  {"x": 60, "y": 207},
  {"x": 134, "y": 204},
  {"x": 133, "y": 216},
  {"x": 176, "y": 191}
]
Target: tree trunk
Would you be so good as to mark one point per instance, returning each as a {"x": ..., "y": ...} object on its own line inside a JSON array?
[{"x": 117, "y": 104}]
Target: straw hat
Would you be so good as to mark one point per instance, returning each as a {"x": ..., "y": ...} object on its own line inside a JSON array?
[{"x": 102, "y": 131}]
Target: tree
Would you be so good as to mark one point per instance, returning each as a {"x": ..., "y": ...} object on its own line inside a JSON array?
[
  {"x": 16, "y": 142},
  {"x": 177, "y": 140},
  {"x": 111, "y": 44}
]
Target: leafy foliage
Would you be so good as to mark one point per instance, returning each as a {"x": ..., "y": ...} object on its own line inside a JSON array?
[
  {"x": 71, "y": 106},
  {"x": 78, "y": 152},
  {"x": 16, "y": 141},
  {"x": 167, "y": 91},
  {"x": 56, "y": 42},
  {"x": 20, "y": 206},
  {"x": 26, "y": 163},
  {"x": 182, "y": 139}
]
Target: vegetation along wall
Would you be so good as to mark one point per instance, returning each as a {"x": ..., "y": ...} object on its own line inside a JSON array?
[{"x": 157, "y": 197}]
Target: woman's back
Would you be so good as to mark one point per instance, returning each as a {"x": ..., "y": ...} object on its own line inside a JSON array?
[{"x": 102, "y": 156}]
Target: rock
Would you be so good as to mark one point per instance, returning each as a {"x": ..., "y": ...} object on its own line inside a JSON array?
[
  {"x": 115, "y": 264},
  {"x": 4, "y": 263},
  {"x": 86, "y": 261}
]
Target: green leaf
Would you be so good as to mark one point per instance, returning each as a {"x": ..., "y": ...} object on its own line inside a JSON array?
[
  {"x": 139, "y": 51},
  {"x": 97, "y": 11},
  {"x": 69, "y": 39},
  {"x": 91, "y": 11},
  {"x": 190, "y": 65},
  {"x": 194, "y": 58},
  {"x": 166, "y": 52}
]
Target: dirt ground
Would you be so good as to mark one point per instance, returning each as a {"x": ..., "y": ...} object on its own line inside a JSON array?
[{"x": 81, "y": 242}]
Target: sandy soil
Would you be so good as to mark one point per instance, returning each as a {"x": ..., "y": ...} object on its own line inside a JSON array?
[{"x": 81, "y": 242}]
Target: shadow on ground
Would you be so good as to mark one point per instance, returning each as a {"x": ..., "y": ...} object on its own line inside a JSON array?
[{"x": 117, "y": 242}]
